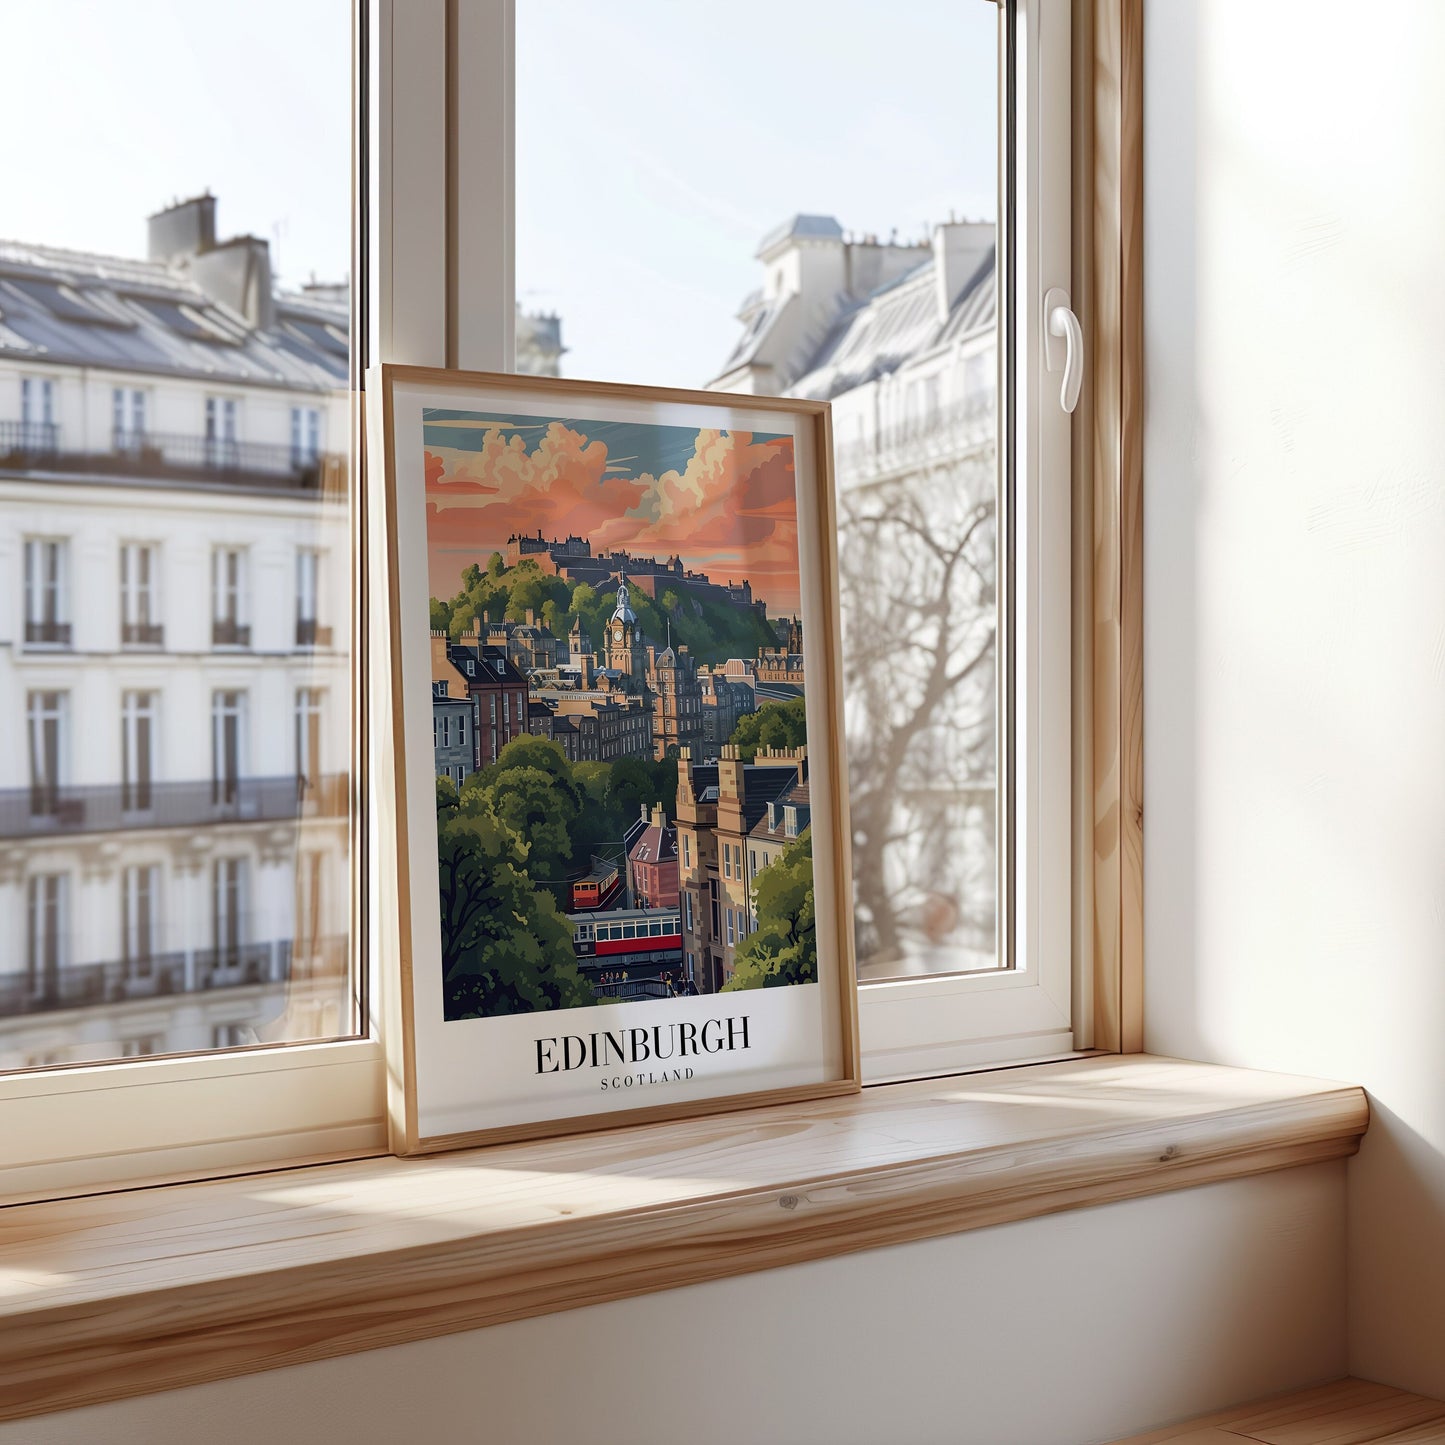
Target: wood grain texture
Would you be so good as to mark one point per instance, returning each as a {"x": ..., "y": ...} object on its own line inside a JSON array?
[
  {"x": 1348, "y": 1412},
  {"x": 1109, "y": 190},
  {"x": 153, "y": 1289}
]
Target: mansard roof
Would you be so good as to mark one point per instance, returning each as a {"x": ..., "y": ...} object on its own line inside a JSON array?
[
  {"x": 875, "y": 336},
  {"x": 81, "y": 309}
]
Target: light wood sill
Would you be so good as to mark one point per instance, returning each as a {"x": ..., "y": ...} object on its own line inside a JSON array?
[
  {"x": 1349, "y": 1412},
  {"x": 146, "y": 1290}
]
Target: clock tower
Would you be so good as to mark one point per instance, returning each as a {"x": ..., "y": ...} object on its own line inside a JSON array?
[{"x": 620, "y": 645}]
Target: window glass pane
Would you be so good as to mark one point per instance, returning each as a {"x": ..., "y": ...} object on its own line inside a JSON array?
[
  {"x": 174, "y": 451},
  {"x": 812, "y": 216}
]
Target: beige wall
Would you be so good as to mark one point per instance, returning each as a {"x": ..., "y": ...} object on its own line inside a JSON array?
[
  {"x": 1295, "y": 602},
  {"x": 1060, "y": 1331}
]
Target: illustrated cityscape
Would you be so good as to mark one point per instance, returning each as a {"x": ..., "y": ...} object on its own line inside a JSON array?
[
  {"x": 637, "y": 723},
  {"x": 176, "y": 616}
]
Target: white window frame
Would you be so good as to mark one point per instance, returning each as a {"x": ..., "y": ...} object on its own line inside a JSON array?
[
  {"x": 430, "y": 257},
  {"x": 138, "y": 763},
  {"x": 73, "y": 1129},
  {"x": 39, "y": 553},
  {"x": 140, "y": 602},
  {"x": 1036, "y": 1009}
]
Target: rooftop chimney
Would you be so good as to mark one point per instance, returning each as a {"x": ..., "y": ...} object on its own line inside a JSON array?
[
  {"x": 958, "y": 251},
  {"x": 183, "y": 230},
  {"x": 238, "y": 274}
]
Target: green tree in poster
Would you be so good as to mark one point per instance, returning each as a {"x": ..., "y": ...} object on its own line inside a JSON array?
[
  {"x": 506, "y": 947},
  {"x": 784, "y": 948},
  {"x": 774, "y": 725}
]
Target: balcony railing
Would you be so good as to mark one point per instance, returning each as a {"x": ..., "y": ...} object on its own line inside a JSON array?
[
  {"x": 310, "y": 633},
  {"x": 173, "y": 974},
  {"x": 114, "y": 807},
  {"x": 171, "y": 456},
  {"x": 48, "y": 634},
  {"x": 949, "y": 431},
  {"x": 225, "y": 632},
  {"x": 142, "y": 634}
]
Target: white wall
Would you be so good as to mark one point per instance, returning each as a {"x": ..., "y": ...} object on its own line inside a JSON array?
[
  {"x": 1069, "y": 1330},
  {"x": 1295, "y": 590}
]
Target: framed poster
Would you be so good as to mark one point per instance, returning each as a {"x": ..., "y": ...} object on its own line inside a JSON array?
[{"x": 610, "y": 687}]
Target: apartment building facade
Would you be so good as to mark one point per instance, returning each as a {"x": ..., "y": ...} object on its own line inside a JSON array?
[{"x": 175, "y": 580}]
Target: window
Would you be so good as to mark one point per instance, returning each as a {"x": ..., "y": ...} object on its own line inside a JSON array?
[
  {"x": 229, "y": 625},
  {"x": 687, "y": 904},
  {"x": 47, "y": 571},
  {"x": 309, "y": 632},
  {"x": 228, "y": 721},
  {"x": 137, "y": 751},
  {"x": 46, "y": 924},
  {"x": 305, "y": 435},
  {"x": 221, "y": 448},
  {"x": 461, "y": 730},
  {"x": 231, "y": 1036},
  {"x": 228, "y": 917},
  {"x": 957, "y": 764},
  {"x": 37, "y": 413},
  {"x": 140, "y": 904},
  {"x": 46, "y": 719},
  {"x": 308, "y": 738},
  {"x": 128, "y": 418},
  {"x": 141, "y": 1047},
  {"x": 140, "y": 619}
]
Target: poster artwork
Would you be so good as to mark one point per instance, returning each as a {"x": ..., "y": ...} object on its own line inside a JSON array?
[{"x": 617, "y": 674}]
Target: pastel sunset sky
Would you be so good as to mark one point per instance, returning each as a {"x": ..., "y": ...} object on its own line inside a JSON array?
[{"x": 724, "y": 501}]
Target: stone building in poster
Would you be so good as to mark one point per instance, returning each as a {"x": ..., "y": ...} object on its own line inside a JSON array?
[{"x": 718, "y": 806}]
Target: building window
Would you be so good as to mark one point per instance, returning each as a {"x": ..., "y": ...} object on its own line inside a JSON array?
[
  {"x": 309, "y": 632},
  {"x": 47, "y": 573},
  {"x": 461, "y": 730},
  {"x": 727, "y": 860},
  {"x": 141, "y": 1047},
  {"x": 45, "y": 933},
  {"x": 128, "y": 418},
  {"x": 228, "y": 912},
  {"x": 140, "y": 621},
  {"x": 37, "y": 413},
  {"x": 687, "y": 904},
  {"x": 137, "y": 750},
  {"x": 306, "y": 942},
  {"x": 221, "y": 447},
  {"x": 687, "y": 852},
  {"x": 46, "y": 719},
  {"x": 229, "y": 625},
  {"x": 731, "y": 938},
  {"x": 228, "y": 725},
  {"x": 305, "y": 435},
  {"x": 140, "y": 890},
  {"x": 308, "y": 738}
]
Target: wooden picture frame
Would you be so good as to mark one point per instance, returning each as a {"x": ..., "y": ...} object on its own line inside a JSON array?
[{"x": 531, "y": 490}]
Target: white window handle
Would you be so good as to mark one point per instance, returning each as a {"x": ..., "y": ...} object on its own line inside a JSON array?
[{"x": 1062, "y": 326}]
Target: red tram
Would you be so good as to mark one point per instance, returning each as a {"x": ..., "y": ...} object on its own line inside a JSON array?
[
  {"x": 598, "y": 888},
  {"x": 643, "y": 935}
]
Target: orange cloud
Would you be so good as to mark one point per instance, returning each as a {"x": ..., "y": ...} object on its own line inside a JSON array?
[{"x": 731, "y": 512}]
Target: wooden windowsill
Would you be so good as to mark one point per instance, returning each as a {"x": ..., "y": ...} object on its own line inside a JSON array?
[{"x": 127, "y": 1293}]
